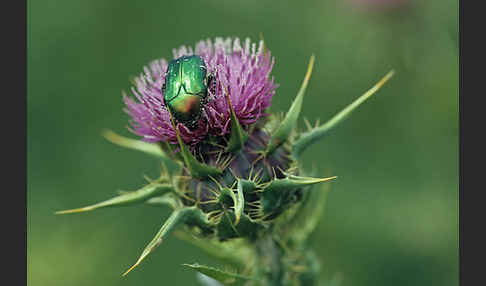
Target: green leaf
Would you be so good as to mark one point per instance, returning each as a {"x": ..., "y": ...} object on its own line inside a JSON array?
[
  {"x": 237, "y": 252},
  {"x": 238, "y": 135},
  {"x": 239, "y": 202},
  {"x": 278, "y": 195},
  {"x": 292, "y": 182},
  {"x": 127, "y": 198},
  {"x": 149, "y": 148},
  {"x": 165, "y": 200},
  {"x": 196, "y": 169},
  {"x": 246, "y": 227},
  {"x": 225, "y": 277},
  {"x": 247, "y": 186},
  {"x": 318, "y": 133},
  {"x": 283, "y": 132},
  {"x": 228, "y": 197},
  {"x": 178, "y": 217}
]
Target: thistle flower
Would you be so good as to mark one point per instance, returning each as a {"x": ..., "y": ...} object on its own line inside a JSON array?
[
  {"x": 243, "y": 70},
  {"x": 235, "y": 181}
]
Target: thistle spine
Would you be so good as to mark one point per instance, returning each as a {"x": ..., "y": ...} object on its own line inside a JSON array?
[
  {"x": 282, "y": 134},
  {"x": 314, "y": 135}
]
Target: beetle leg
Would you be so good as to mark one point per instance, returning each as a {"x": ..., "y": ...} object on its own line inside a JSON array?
[
  {"x": 193, "y": 124},
  {"x": 204, "y": 116},
  {"x": 163, "y": 89},
  {"x": 212, "y": 83}
]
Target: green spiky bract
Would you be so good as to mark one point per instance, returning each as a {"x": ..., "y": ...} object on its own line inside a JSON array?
[{"x": 243, "y": 198}]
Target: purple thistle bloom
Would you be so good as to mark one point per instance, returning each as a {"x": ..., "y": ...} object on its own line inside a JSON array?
[{"x": 244, "y": 71}]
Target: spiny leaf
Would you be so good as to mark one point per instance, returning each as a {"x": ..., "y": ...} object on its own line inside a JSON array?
[
  {"x": 239, "y": 202},
  {"x": 245, "y": 228},
  {"x": 225, "y": 277},
  {"x": 237, "y": 199},
  {"x": 238, "y": 135},
  {"x": 248, "y": 186},
  {"x": 196, "y": 169},
  {"x": 318, "y": 133},
  {"x": 165, "y": 200},
  {"x": 149, "y": 148},
  {"x": 279, "y": 194},
  {"x": 283, "y": 132},
  {"x": 127, "y": 198},
  {"x": 227, "y": 196},
  {"x": 177, "y": 218},
  {"x": 292, "y": 182},
  {"x": 236, "y": 252},
  {"x": 205, "y": 280}
]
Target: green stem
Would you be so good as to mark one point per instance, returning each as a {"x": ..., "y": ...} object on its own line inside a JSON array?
[{"x": 270, "y": 260}]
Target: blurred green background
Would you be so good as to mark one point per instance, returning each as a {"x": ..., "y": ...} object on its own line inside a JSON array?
[{"x": 392, "y": 215}]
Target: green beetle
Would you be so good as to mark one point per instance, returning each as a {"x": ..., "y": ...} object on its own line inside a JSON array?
[{"x": 185, "y": 89}]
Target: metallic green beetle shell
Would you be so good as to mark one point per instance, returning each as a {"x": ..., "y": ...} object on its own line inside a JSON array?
[{"x": 185, "y": 89}]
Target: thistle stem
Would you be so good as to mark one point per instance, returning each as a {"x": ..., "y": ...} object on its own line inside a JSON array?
[{"x": 270, "y": 259}]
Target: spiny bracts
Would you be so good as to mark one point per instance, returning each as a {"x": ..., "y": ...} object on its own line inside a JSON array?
[{"x": 230, "y": 170}]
